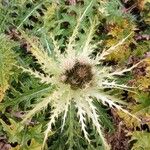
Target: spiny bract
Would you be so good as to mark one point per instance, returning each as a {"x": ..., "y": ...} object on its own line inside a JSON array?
[{"x": 78, "y": 78}]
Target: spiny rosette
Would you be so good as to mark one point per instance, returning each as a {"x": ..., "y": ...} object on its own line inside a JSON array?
[{"x": 78, "y": 77}]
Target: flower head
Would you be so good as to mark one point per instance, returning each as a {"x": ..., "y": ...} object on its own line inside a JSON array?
[{"x": 79, "y": 79}]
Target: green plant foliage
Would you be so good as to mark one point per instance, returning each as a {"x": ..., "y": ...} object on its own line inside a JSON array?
[
  {"x": 72, "y": 136},
  {"x": 144, "y": 104},
  {"x": 27, "y": 138},
  {"x": 64, "y": 95},
  {"x": 7, "y": 60},
  {"x": 11, "y": 130},
  {"x": 23, "y": 96},
  {"x": 113, "y": 11},
  {"x": 65, "y": 68},
  {"x": 140, "y": 140}
]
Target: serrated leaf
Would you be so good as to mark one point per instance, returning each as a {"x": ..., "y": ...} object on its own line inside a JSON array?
[
  {"x": 143, "y": 105},
  {"x": 12, "y": 130},
  {"x": 141, "y": 140},
  {"x": 6, "y": 64}
]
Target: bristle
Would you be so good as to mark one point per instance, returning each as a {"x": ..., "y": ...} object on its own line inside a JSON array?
[{"x": 78, "y": 76}]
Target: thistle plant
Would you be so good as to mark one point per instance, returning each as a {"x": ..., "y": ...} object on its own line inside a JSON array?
[{"x": 78, "y": 79}]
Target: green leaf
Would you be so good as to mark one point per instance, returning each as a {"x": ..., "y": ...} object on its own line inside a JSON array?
[
  {"x": 12, "y": 130},
  {"x": 141, "y": 140},
  {"x": 143, "y": 105},
  {"x": 7, "y": 61},
  {"x": 23, "y": 96}
]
